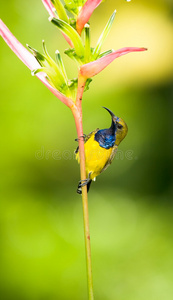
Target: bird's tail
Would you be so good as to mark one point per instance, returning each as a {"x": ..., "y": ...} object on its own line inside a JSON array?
[{"x": 79, "y": 189}]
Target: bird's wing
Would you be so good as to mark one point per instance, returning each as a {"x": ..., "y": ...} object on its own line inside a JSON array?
[
  {"x": 86, "y": 138},
  {"x": 109, "y": 161}
]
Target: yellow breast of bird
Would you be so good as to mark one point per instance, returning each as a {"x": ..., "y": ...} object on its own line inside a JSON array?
[{"x": 96, "y": 157}]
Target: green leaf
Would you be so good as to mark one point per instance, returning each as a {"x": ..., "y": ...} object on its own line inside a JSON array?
[
  {"x": 55, "y": 71},
  {"x": 40, "y": 57},
  {"x": 87, "y": 84},
  {"x": 53, "y": 78},
  {"x": 72, "y": 22},
  {"x": 105, "y": 53},
  {"x": 54, "y": 66},
  {"x": 72, "y": 34},
  {"x": 72, "y": 54},
  {"x": 71, "y": 6},
  {"x": 60, "y": 10},
  {"x": 104, "y": 36},
  {"x": 87, "y": 43},
  {"x": 61, "y": 65},
  {"x": 73, "y": 84}
]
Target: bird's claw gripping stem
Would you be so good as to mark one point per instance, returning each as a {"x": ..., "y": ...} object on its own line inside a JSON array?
[
  {"x": 81, "y": 137},
  {"x": 83, "y": 183}
]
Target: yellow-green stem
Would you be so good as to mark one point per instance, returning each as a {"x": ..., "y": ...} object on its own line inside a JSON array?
[{"x": 77, "y": 112}]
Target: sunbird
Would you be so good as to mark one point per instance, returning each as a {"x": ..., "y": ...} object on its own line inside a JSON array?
[{"x": 100, "y": 149}]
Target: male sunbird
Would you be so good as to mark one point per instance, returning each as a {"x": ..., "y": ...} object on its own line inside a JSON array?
[{"x": 100, "y": 149}]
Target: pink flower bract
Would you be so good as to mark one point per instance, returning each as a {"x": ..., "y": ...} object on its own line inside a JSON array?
[
  {"x": 49, "y": 7},
  {"x": 85, "y": 13},
  {"x": 93, "y": 68}
]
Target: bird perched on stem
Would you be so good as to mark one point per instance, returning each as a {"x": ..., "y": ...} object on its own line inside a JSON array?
[{"x": 100, "y": 149}]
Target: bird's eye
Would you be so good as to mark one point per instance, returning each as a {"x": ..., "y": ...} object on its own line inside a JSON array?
[{"x": 119, "y": 126}]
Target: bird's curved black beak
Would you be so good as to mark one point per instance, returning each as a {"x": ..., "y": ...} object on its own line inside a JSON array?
[{"x": 114, "y": 118}]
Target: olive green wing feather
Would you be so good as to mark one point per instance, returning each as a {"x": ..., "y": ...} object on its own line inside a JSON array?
[{"x": 109, "y": 161}]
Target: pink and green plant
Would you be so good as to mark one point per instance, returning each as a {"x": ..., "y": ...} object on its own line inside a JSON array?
[{"x": 90, "y": 61}]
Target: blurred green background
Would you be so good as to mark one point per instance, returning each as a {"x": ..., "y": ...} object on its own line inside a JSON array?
[{"x": 41, "y": 226}]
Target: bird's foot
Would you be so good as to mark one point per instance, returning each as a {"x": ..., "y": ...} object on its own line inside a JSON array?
[
  {"x": 83, "y": 183},
  {"x": 81, "y": 137}
]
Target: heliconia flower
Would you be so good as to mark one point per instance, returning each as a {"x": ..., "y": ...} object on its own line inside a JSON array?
[
  {"x": 52, "y": 9},
  {"x": 93, "y": 68},
  {"x": 85, "y": 13},
  {"x": 30, "y": 61}
]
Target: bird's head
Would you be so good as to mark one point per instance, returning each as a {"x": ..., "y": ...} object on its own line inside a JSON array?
[{"x": 120, "y": 127}]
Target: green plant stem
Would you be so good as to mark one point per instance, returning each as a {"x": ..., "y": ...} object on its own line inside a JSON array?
[{"x": 77, "y": 112}]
